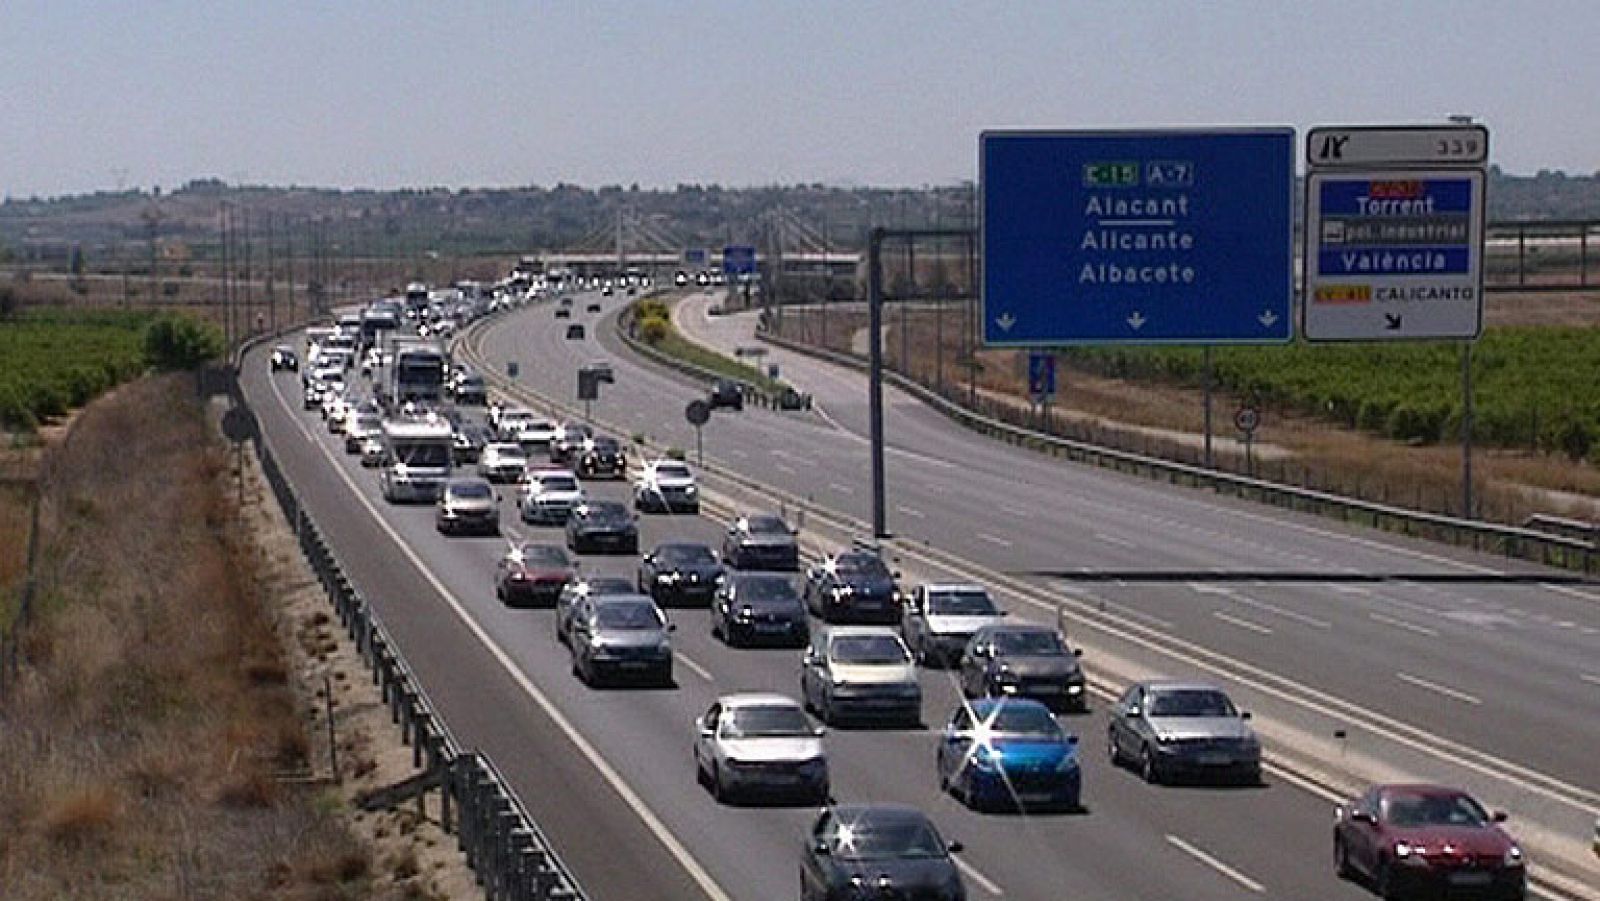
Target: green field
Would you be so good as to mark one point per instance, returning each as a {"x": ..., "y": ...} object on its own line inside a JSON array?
[
  {"x": 1534, "y": 387},
  {"x": 51, "y": 362}
]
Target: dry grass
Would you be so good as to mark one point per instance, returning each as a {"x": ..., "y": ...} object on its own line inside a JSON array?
[
  {"x": 1510, "y": 484},
  {"x": 142, "y": 747}
]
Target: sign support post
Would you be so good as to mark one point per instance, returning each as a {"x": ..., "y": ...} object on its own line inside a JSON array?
[{"x": 1207, "y": 377}]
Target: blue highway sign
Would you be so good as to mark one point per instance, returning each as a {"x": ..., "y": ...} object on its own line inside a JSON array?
[
  {"x": 1157, "y": 237},
  {"x": 738, "y": 259}
]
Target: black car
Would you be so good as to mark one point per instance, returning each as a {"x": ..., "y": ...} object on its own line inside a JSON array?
[
  {"x": 759, "y": 607},
  {"x": 603, "y": 526},
  {"x": 878, "y": 851},
  {"x": 467, "y": 443},
  {"x": 580, "y": 588},
  {"x": 762, "y": 541},
  {"x": 563, "y": 313},
  {"x": 599, "y": 457},
  {"x": 853, "y": 587},
  {"x": 593, "y": 308},
  {"x": 284, "y": 357},
  {"x": 682, "y": 573},
  {"x": 575, "y": 332},
  {"x": 726, "y": 393},
  {"x": 1023, "y": 660},
  {"x": 569, "y": 440},
  {"x": 471, "y": 391}
]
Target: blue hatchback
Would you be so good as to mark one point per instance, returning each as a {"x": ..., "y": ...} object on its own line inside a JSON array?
[{"x": 1009, "y": 752}]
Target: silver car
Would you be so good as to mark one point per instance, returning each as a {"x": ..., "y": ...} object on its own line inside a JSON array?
[
  {"x": 467, "y": 505},
  {"x": 1170, "y": 729},
  {"x": 940, "y": 619},
  {"x": 860, "y": 671},
  {"x": 621, "y": 636},
  {"x": 503, "y": 462},
  {"x": 748, "y": 744}
]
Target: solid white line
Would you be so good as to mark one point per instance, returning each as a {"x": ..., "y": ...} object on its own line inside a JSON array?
[
  {"x": 1591, "y": 679},
  {"x": 699, "y": 670},
  {"x": 1112, "y": 539},
  {"x": 917, "y": 514},
  {"x": 590, "y": 752},
  {"x": 992, "y": 539},
  {"x": 1241, "y": 623},
  {"x": 1286, "y": 614},
  {"x": 1402, "y": 624},
  {"x": 1445, "y": 690},
  {"x": 1155, "y": 222},
  {"x": 1216, "y": 864},
  {"x": 842, "y": 489},
  {"x": 1020, "y": 512},
  {"x": 983, "y": 881}
]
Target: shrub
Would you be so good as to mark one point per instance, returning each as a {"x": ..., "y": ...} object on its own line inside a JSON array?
[
  {"x": 653, "y": 329},
  {"x": 180, "y": 342},
  {"x": 1571, "y": 436}
]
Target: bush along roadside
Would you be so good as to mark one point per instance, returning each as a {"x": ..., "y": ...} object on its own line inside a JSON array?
[{"x": 647, "y": 324}]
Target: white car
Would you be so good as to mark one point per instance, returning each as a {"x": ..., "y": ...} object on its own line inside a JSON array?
[
  {"x": 359, "y": 426},
  {"x": 549, "y": 496},
  {"x": 939, "y": 619},
  {"x": 666, "y": 486},
  {"x": 510, "y": 421},
  {"x": 536, "y": 433},
  {"x": 334, "y": 404},
  {"x": 502, "y": 461},
  {"x": 760, "y": 743},
  {"x": 860, "y": 671}
]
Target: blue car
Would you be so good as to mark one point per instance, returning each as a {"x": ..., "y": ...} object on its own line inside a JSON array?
[{"x": 1009, "y": 753}]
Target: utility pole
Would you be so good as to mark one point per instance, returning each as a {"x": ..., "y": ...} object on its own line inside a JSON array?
[{"x": 288, "y": 241}]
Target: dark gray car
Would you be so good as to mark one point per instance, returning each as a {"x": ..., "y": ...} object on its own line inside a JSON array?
[
  {"x": 620, "y": 636},
  {"x": 577, "y": 590},
  {"x": 759, "y": 607},
  {"x": 1171, "y": 729},
  {"x": 467, "y": 506},
  {"x": 761, "y": 541},
  {"x": 878, "y": 851},
  {"x": 1023, "y": 660}
]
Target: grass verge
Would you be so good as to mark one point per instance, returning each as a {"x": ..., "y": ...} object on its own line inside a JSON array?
[{"x": 668, "y": 340}]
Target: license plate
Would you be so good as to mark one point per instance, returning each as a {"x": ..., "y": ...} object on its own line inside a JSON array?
[
  {"x": 1046, "y": 689},
  {"x": 1034, "y": 797},
  {"x": 1471, "y": 877},
  {"x": 771, "y": 627},
  {"x": 1215, "y": 760},
  {"x": 635, "y": 664}
]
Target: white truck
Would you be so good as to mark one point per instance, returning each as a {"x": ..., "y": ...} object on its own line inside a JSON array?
[{"x": 416, "y": 371}]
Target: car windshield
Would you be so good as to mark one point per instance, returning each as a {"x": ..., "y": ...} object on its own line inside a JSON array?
[
  {"x": 511, "y": 452},
  {"x": 961, "y": 602},
  {"x": 601, "y": 586},
  {"x": 1028, "y": 644},
  {"x": 765, "y": 721},
  {"x": 864, "y": 565},
  {"x": 1409, "y": 810},
  {"x": 770, "y": 588},
  {"x": 1023, "y": 719},
  {"x": 558, "y": 483},
  {"x": 869, "y": 649},
  {"x": 887, "y": 840},
  {"x": 686, "y": 555},
  {"x": 630, "y": 615},
  {"x": 606, "y": 445},
  {"x": 543, "y": 555},
  {"x": 672, "y": 472},
  {"x": 471, "y": 491},
  {"x": 430, "y": 456},
  {"x": 369, "y": 422},
  {"x": 767, "y": 525},
  {"x": 1191, "y": 702},
  {"x": 608, "y": 512}
]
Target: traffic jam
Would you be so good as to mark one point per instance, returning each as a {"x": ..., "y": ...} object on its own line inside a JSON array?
[{"x": 558, "y": 493}]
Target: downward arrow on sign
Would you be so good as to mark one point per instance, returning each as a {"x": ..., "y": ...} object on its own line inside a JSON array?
[
  {"x": 1137, "y": 320},
  {"x": 1005, "y": 322},
  {"x": 1391, "y": 321},
  {"x": 1267, "y": 318}
]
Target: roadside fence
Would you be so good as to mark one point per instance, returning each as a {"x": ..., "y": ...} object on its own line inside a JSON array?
[{"x": 511, "y": 856}]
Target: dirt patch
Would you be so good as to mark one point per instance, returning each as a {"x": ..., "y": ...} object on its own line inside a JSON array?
[{"x": 154, "y": 743}]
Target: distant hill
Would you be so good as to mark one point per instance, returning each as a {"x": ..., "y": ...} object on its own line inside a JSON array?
[{"x": 518, "y": 220}]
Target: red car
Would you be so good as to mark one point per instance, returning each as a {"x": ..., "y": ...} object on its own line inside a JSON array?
[
  {"x": 1422, "y": 840},
  {"x": 533, "y": 573}
]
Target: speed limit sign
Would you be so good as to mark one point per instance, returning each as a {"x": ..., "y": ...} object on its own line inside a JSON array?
[{"x": 1247, "y": 418}]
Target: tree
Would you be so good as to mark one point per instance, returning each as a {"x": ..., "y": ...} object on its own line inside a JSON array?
[
  {"x": 8, "y": 302},
  {"x": 180, "y": 342}
]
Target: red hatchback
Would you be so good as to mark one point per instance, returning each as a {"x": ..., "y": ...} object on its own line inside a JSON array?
[
  {"x": 1424, "y": 841},
  {"x": 532, "y": 573}
]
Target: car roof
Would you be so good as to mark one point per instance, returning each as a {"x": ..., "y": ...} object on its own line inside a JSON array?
[
  {"x": 982, "y": 707},
  {"x": 1178, "y": 685},
  {"x": 858, "y": 631},
  {"x": 1427, "y": 789},
  {"x": 467, "y": 480},
  {"x": 629, "y": 598},
  {"x": 881, "y": 812},
  {"x": 994, "y": 628},
  {"x": 954, "y": 586},
  {"x": 756, "y": 699},
  {"x": 682, "y": 545}
]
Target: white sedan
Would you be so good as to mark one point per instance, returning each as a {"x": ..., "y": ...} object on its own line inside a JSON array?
[{"x": 747, "y": 744}]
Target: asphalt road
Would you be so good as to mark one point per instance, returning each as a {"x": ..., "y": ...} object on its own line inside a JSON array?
[{"x": 648, "y": 830}]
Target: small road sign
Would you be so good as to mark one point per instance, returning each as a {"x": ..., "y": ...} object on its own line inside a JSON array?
[
  {"x": 1421, "y": 145},
  {"x": 1041, "y": 375},
  {"x": 698, "y": 412},
  {"x": 1137, "y": 237},
  {"x": 1247, "y": 418},
  {"x": 695, "y": 257}
]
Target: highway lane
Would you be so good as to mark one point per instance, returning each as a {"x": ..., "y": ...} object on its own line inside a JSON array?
[
  {"x": 1016, "y": 510},
  {"x": 1118, "y": 850}
]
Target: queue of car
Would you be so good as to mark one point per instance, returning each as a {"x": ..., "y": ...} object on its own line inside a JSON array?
[{"x": 863, "y": 643}]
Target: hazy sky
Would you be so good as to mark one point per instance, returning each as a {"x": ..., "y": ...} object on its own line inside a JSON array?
[{"x": 461, "y": 93}]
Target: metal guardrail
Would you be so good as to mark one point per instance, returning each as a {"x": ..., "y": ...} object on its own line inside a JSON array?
[
  {"x": 510, "y": 855},
  {"x": 1520, "y": 543}
]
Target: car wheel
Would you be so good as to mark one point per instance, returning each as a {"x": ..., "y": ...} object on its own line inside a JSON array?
[
  {"x": 1148, "y": 767},
  {"x": 1113, "y": 752},
  {"x": 826, "y": 713},
  {"x": 718, "y": 789},
  {"x": 1341, "y": 859},
  {"x": 1384, "y": 883}
]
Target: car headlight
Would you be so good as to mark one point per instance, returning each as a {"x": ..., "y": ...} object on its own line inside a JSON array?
[
  {"x": 1068, "y": 764},
  {"x": 985, "y": 759},
  {"x": 1513, "y": 857},
  {"x": 745, "y": 614},
  {"x": 689, "y": 489},
  {"x": 666, "y": 578}
]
